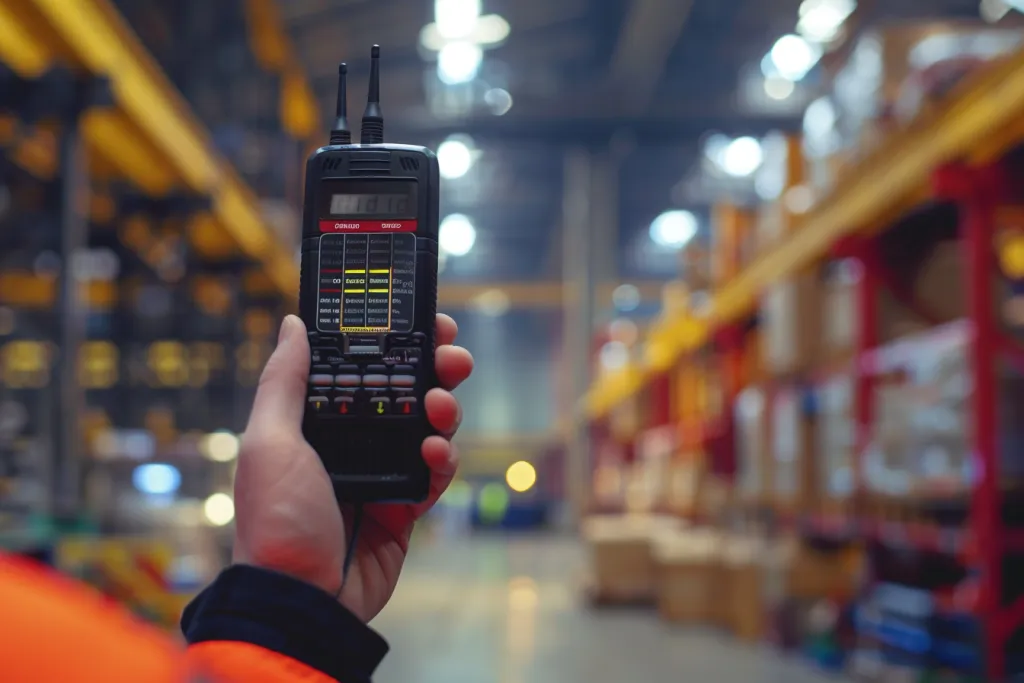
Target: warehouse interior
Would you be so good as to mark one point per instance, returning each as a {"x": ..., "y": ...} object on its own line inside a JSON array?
[{"x": 743, "y": 283}]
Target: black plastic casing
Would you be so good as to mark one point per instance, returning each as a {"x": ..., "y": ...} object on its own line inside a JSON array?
[{"x": 371, "y": 458}]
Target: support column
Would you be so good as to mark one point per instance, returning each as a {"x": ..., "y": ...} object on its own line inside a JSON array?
[
  {"x": 590, "y": 215},
  {"x": 67, "y": 466}
]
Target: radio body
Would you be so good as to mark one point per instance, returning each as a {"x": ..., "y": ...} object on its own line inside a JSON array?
[{"x": 368, "y": 297}]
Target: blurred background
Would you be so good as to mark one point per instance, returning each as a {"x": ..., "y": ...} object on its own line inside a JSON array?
[{"x": 742, "y": 279}]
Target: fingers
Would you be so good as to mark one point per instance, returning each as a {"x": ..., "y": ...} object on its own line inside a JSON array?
[
  {"x": 453, "y": 365},
  {"x": 447, "y": 329},
  {"x": 442, "y": 458},
  {"x": 281, "y": 396},
  {"x": 443, "y": 411}
]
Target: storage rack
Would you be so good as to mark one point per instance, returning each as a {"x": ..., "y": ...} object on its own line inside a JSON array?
[{"x": 953, "y": 154}]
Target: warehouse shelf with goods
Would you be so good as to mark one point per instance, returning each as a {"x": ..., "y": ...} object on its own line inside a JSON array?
[{"x": 847, "y": 399}]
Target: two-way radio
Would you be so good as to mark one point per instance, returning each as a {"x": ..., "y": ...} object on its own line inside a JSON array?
[{"x": 368, "y": 296}]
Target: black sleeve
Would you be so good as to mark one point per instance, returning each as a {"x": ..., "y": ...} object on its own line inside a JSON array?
[{"x": 287, "y": 616}]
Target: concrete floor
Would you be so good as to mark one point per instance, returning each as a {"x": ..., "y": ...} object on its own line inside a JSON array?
[{"x": 509, "y": 610}]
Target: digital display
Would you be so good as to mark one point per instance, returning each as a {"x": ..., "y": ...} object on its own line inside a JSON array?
[
  {"x": 380, "y": 205},
  {"x": 365, "y": 198},
  {"x": 367, "y": 282}
]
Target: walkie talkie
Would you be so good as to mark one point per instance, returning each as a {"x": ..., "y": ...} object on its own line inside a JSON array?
[{"x": 368, "y": 296}]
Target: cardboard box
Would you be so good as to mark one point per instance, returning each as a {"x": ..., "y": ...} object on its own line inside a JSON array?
[
  {"x": 791, "y": 324},
  {"x": 795, "y": 481},
  {"x": 622, "y": 564},
  {"x": 744, "y": 597},
  {"x": 690, "y": 585}
]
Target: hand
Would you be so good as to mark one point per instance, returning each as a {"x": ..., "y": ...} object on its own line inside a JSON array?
[{"x": 287, "y": 518}]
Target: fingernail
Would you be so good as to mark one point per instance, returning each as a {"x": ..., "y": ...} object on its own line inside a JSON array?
[{"x": 285, "y": 330}]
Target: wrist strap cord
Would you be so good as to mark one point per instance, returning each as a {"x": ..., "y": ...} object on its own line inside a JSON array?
[{"x": 350, "y": 550}]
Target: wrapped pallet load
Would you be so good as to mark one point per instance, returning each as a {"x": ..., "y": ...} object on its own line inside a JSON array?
[
  {"x": 690, "y": 580},
  {"x": 621, "y": 556}
]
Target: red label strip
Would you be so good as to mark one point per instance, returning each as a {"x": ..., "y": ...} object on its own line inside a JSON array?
[{"x": 367, "y": 226}]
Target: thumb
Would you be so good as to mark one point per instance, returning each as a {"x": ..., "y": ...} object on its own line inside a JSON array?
[{"x": 281, "y": 395}]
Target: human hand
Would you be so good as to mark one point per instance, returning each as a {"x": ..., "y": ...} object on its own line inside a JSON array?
[{"x": 286, "y": 516}]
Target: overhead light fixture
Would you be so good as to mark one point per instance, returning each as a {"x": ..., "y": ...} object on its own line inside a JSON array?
[
  {"x": 793, "y": 56},
  {"x": 742, "y": 157},
  {"x": 673, "y": 229},
  {"x": 821, "y": 21},
  {"x": 779, "y": 88},
  {"x": 456, "y": 19},
  {"x": 459, "y": 62},
  {"x": 488, "y": 31},
  {"x": 455, "y": 157},
  {"x": 457, "y": 235}
]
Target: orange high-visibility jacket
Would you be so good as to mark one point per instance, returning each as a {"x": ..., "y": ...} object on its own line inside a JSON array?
[{"x": 250, "y": 625}]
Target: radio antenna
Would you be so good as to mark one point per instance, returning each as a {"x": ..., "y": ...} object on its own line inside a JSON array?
[
  {"x": 340, "y": 133},
  {"x": 373, "y": 122}
]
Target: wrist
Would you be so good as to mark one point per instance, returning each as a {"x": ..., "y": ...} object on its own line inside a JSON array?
[{"x": 291, "y": 565}]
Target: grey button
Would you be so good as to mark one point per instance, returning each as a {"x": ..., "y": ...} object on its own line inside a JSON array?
[
  {"x": 318, "y": 402},
  {"x": 404, "y": 369},
  {"x": 348, "y": 380},
  {"x": 375, "y": 380},
  {"x": 321, "y": 380},
  {"x": 364, "y": 350},
  {"x": 403, "y": 381}
]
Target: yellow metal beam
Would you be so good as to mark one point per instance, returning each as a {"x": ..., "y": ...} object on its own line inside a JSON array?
[
  {"x": 534, "y": 295},
  {"x": 273, "y": 48},
  {"x": 980, "y": 122},
  {"x": 170, "y": 142}
]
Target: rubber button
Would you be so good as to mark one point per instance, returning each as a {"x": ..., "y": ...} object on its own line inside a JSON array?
[
  {"x": 406, "y": 406},
  {"x": 403, "y": 381},
  {"x": 375, "y": 380},
  {"x": 318, "y": 403},
  {"x": 404, "y": 370},
  {"x": 380, "y": 405},
  {"x": 321, "y": 380},
  {"x": 344, "y": 405},
  {"x": 348, "y": 380}
]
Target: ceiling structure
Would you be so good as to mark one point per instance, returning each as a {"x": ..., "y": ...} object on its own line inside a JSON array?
[{"x": 650, "y": 78}]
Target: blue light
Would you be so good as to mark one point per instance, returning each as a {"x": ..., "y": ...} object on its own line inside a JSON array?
[{"x": 156, "y": 479}]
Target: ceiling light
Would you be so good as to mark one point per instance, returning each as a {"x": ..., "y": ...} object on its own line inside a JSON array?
[
  {"x": 499, "y": 100},
  {"x": 778, "y": 88},
  {"x": 219, "y": 509},
  {"x": 793, "y": 56},
  {"x": 459, "y": 62},
  {"x": 673, "y": 229},
  {"x": 489, "y": 30},
  {"x": 457, "y": 235},
  {"x": 454, "y": 158},
  {"x": 822, "y": 20},
  {"x": 156, "y": 479},
  {"x": 742, "y": 157},
  {"x": 456, "y": 19}
]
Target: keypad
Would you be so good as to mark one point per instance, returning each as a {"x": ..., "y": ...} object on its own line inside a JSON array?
[{"x": 367, "y": 380}]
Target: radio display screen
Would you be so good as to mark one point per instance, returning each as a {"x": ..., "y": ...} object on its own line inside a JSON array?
[{"x": 367, "y": 264}]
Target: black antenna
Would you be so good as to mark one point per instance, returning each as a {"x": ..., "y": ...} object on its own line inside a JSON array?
[
  {"x": 373, "y": 122},
  {"x": 340, "y": 133}
]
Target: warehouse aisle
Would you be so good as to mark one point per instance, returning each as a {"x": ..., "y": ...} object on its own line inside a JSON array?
[{"x": 508, "y": 610}]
